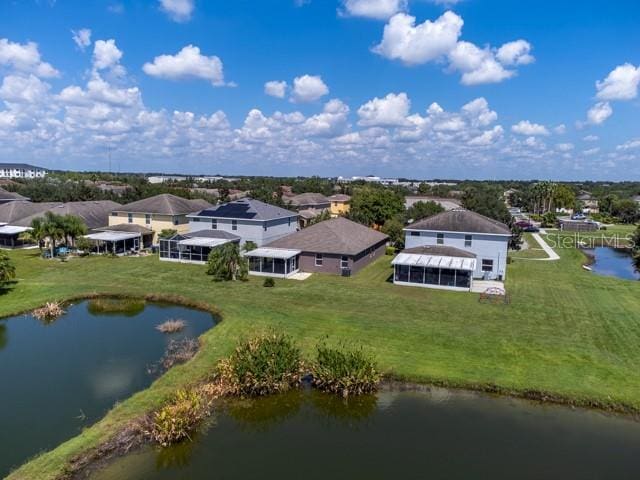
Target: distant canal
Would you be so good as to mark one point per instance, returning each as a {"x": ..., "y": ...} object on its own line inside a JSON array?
[
  {"x": 613, "y": 262},
  {"x": 406, "y": 435},
  {"x": 58, "y": 378}
]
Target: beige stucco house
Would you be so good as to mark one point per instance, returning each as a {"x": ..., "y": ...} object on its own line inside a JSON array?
[{"x": 161, "y": 212}]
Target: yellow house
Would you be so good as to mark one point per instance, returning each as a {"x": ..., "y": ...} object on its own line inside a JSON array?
[
  {"x": 161, "y": 212},
  {"x": 340, "y": 204}
]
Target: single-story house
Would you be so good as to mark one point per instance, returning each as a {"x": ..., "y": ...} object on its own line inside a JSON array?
[
  {"x": 340, "y": 204},
  {"x": 194, "y": 247},
  {"x": 468, "y": 231},
  {"x": 249, "y": 219},
  {"x": 336, "y": 246},
  {"x": 435, "y": 266},
  {"x": 157, "y": 213}
]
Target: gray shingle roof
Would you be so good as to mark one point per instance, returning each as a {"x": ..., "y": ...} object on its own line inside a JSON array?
[
  {"x": 339, "y": 197},
  {"x": 126, "y": 227},
  {"x": 440, "y": 250},
  {"x": 461, "y": 221},
  {"x": 246, "y": 208},
  {"x": 12, "y": 212},
  {"x": 164, "y": 204},
  {"x": 20, "y": 165},
  {"x": 6, "y": 195},
  {"x": 309, "y": 198},
  {"x": 94, "y": 214},
  {"x": 211, "y": 234},
  {"x": 336, "y": 236}
]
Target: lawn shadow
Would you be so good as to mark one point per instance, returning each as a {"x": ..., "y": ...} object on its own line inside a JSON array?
[{"x": 7, "y": 287}]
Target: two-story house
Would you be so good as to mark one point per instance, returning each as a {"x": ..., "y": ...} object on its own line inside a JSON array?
[
  {"x": 158, "y": 213},
  {"x": 450, "y": 249},
  {"x": 340, "y": 204},
  {"x": 249, "y": 219}
]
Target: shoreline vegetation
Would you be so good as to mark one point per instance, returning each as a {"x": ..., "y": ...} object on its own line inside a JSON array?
[{"x": 512, "y": 368}]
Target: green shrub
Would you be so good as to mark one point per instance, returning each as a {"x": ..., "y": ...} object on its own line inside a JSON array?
[
  {"x": 177, "y": 419},
  {"x": 269, "y": 282},
  {"x": 390, "y": 250},
  {"x": 262, "y": 365},
  {"x": 345, "y": 371}
]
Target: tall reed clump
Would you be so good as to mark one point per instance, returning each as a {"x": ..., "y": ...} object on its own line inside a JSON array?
[
  {"x": 262, "y": 365},
  {"x": 344, "y": 371},
  {"x": 49, "y": 312},
  {"x": 112, "y": 306},
  {"x": 176, "y": 420}
]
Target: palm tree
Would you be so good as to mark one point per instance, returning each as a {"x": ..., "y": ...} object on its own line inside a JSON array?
[
  {"x": 36, "y": 234},
  {"x": 73, "y": 227},
  {"x": 226, "y": 263},
  {"x": 7, "y": 269},
  {"x": 53, "y": 229}
]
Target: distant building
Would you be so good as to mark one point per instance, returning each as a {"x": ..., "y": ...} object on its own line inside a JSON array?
[
  {"x": 308, "y": 200},
  {"x": 589, "y": 202},
  {"x": 637, "y": 199},
  {"x": 21, "y": 170},
  {"x": 340, "y": 204},
  {"x": 249, "y": 219}
]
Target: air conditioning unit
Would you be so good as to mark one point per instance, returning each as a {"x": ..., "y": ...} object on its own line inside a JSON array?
[{"x": 346, "y": 272}]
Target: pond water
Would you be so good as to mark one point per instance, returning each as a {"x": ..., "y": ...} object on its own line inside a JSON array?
[
  {"x": 58, "y": 378},
  {"x": 613, "y": 262},
  {"x": 432, "y": 434}
]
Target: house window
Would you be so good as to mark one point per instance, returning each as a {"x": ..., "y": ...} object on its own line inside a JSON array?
[
  {"x": 468, "y": 240},
  {"x": 114, "y": 214},
  {"x": 344, "y": 262},
  {"x": 440, "y": 238},
  {"x": 234, "y": 225},
  {"x": 147, "y": 219},
  {"x": 318, "y": 259},
  {"x": 130, "y": 217},
  {"x": 264, "y": 226},
  {"x": 414, "y": 234},
  {"x": 176, "y": 220},
  {"x": 487, "y": 265},
  {"x": 214, "y": 224}
]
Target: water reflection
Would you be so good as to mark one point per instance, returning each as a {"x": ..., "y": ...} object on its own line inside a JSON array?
[
  {"x": 613, "y": 262},
  {"x": 3, "y": 335}
]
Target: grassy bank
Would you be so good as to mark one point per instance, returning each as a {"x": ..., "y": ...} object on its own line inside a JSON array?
[{"x": 566, "y": 331}]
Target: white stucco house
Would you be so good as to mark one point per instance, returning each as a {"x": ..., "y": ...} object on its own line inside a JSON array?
[
  {"x": 450, "y": 249},
  {"x": 248, "y": 219}
]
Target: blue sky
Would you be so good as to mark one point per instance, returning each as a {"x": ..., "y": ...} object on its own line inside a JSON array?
[{"x": 415, "y": 88}]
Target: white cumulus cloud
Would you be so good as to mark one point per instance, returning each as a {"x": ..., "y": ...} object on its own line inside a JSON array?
[
  {"x": 621, "y": 83},
  {"x": 391, "y": 110},
  {"x": 25, "y": 58},
  {"x": 308, "y": 88},
  {"x": 178, "y": 10},
  {"x": 275, "y": 88},
  {"x": 416, "y": 44},
  {"x": 378, "y": 9},
  {"x": 82, "y": 38},
  {"x": 525, "y": 127},
  {"x": 599, "y": 113},
  {"x": 106, "y": 54},
  {"x": 188, "y": 63},
  {"x": 515, "y": 53}
]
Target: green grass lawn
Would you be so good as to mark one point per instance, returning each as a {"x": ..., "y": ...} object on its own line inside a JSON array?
[
  {"x": 534, "y": 249},
  {"x": 566, "y": 331}
]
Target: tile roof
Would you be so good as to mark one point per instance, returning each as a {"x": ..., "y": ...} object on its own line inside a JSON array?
[
  {"x": 164, "y": 204},
  {"x": 308, "y": 198},
  {"x": 336, "y": 236},
  {"x": 340, "y": 197},
  {"x": 461, "y": 221},
  {"x": 14, "y": 211},
  {"x": 246, "y": 208}
]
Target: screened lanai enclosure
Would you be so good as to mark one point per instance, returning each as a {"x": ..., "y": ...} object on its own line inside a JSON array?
[
  {"x": 189, "y": 249},
  {"x": 116, "y": 243},
  {"x": 273, "y": 262},
  {"x": 11, "y": 237},
  {"x": 434, "y": 271}
]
